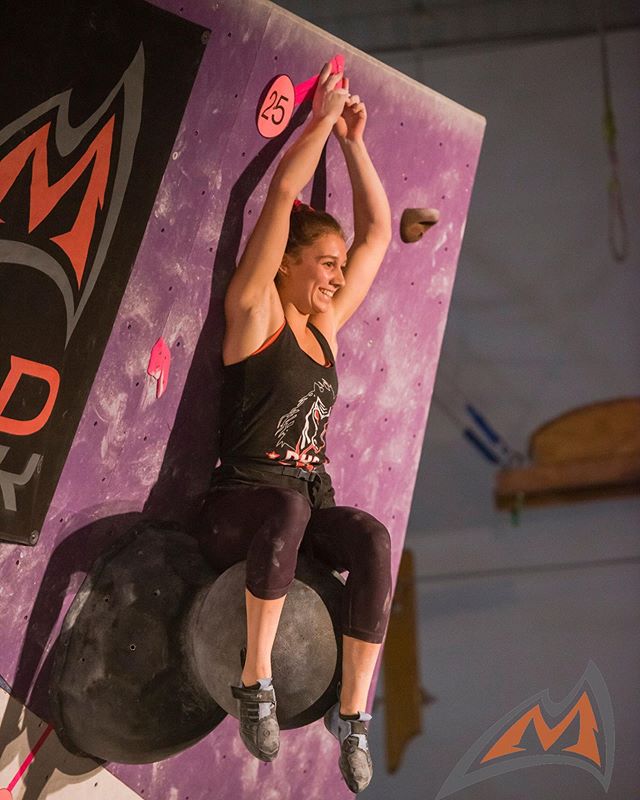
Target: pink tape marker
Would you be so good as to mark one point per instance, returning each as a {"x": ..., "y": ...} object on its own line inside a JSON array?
[
  {"x": 159, "y": 363},
  {"x": 281, "y": 97},
  {"x": 5, "y": 794}
]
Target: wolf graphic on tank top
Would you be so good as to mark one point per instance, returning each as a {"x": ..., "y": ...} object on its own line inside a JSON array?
[{"x": 306, "y": 445}]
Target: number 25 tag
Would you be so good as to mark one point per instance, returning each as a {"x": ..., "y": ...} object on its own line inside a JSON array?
[{"x": 277, "y": 107}]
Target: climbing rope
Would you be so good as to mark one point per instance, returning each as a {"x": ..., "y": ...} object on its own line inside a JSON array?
[{"x": 617, "y": 225}]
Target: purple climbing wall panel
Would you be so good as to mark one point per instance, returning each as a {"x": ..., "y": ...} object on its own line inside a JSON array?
[{"x": 134, "y": 450}]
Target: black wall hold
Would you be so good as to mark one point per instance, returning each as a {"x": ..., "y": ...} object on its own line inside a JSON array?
[
  {"x": 121, "y": 689},
  {"x": 307, "y": 652},
  {"x": 152, "y": 642}
]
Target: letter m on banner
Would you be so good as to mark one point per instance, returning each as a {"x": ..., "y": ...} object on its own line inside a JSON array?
[
  {"x": 577, "y": 732},
  {"x": 86, "y": 133}
]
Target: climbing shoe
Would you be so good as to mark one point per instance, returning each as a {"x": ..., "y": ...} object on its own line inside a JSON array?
[
  {"x": 355, "y": 759},
  {"x": 259, "y": 728}
]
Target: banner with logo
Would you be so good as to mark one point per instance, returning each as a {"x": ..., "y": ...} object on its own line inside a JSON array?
[{"x": 91, "y": 100}]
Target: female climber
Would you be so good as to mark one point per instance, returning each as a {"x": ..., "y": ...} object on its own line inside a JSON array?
[{"x": 294, "y": 287}]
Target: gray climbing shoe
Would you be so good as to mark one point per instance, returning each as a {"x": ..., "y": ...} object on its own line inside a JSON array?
[
  {"x": 259, "y": 728},
  {"x": 355, "y": 759}
]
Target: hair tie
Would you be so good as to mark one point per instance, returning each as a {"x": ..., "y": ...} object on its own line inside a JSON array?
[{"x": 298, "y": 204}]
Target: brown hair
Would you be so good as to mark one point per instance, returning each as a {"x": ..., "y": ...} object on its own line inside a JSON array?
[{"x": 306, "y": 224}]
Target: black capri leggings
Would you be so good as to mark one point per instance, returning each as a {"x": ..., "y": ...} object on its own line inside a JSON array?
[{"x": 266, "y": 524}]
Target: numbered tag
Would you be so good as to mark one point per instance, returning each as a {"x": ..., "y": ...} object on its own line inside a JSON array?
[{"x": 277, "y": 107}]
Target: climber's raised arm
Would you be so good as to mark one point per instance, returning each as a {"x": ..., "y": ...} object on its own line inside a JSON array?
[
  {"x": 263, "y": 253},
  {"x": 371, "y": 212}
]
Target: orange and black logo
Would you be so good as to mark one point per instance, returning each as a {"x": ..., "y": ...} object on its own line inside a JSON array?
[
  {"x": 578, "y": 732},
  {"x": 86, "y": 131}
]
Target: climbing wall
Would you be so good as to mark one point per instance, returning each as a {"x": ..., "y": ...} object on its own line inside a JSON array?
[{"x": 158, "y": 127}]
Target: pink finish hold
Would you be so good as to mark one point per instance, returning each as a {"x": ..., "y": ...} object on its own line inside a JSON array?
[
  {"x": 159, "y": 363},
  {"x": 308, "y": 87}
]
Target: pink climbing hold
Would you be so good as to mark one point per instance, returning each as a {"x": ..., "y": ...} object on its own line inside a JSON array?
[
  {"x": 5, "y": 794},
  {"x": 304, "y": 89},
  {"x": 159, "y": 363}
]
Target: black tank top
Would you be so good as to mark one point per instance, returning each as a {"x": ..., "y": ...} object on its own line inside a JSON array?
[{"x": 276, "y": 403}]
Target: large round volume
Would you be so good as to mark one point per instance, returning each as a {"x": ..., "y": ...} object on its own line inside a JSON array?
[
  {"x": 307, "y": 653},
  {"x": 121, "y": 687}
]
